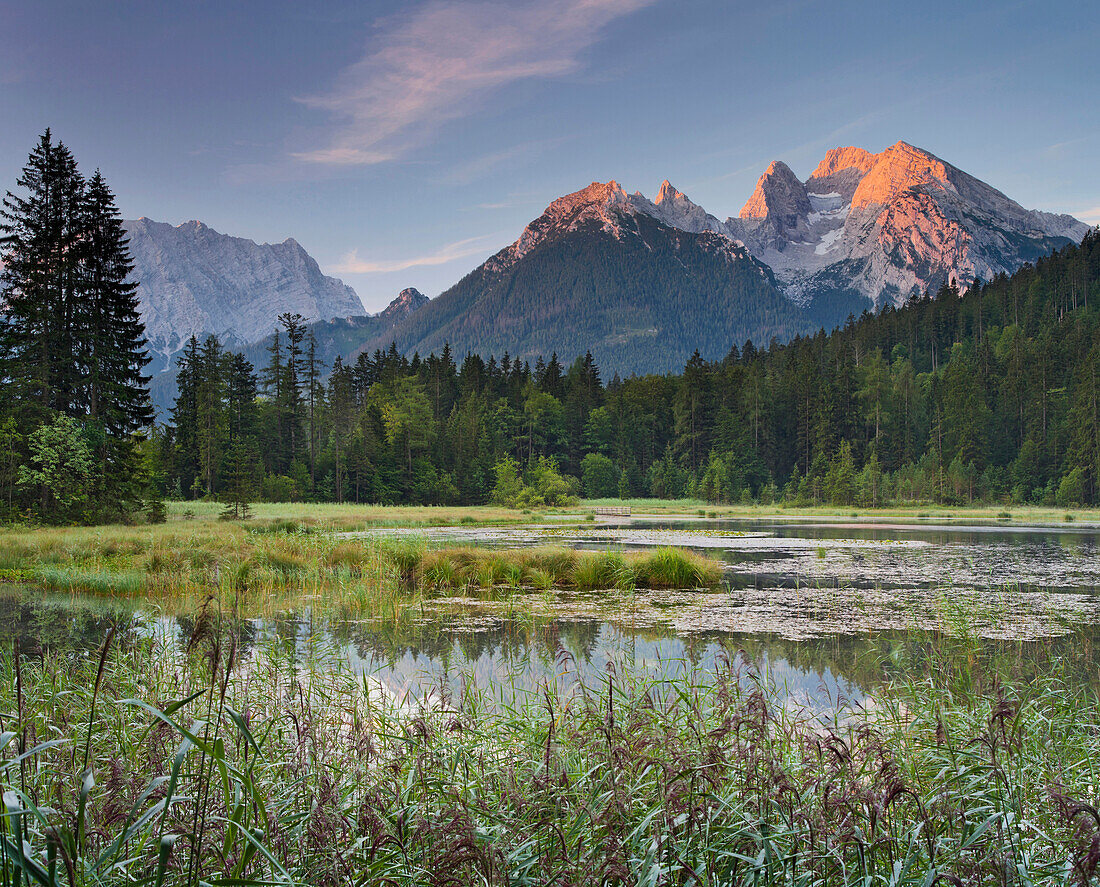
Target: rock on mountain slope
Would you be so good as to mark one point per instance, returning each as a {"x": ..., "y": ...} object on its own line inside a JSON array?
[
  {"x": 640, "y": 283},
  {"x": 196, "y": 281},
  {"x": 407, "y": 301},
  {"x": 888, "y": 226}
]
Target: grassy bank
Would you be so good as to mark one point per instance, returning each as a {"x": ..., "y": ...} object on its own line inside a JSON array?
[
  {"x": 274, "y": 563},
  {"x": 349, "y": 516},
  {"x": 176, "y": 764},
  {"x": 1022, "y": 514}
]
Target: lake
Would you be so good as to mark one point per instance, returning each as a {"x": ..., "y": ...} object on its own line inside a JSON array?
[{"x": 823, "y": 609}]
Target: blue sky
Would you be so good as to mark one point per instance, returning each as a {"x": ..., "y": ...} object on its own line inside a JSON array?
[{"x": 403, "y": 142}]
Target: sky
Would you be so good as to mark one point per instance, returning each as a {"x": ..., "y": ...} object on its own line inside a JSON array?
[{"x": 402, "y": 143}]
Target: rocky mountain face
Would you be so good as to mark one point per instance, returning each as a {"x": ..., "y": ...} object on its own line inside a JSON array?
[
  {"x": 889, "y": 226},
  {"x": 407, "y": 301},
  {"x": 641, "y": 284},
  {"x": 196, "y": 281}
]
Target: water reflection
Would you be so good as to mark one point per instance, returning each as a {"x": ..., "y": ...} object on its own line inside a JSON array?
[{"x": 824, "y": 610}]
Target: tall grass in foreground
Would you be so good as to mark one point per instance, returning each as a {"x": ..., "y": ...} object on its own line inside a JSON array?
[{"x": 161, "y": 764}]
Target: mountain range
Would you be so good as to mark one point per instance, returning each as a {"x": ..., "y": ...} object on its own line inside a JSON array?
[
  {"x": 196, "y": 281},
  {"x": 640, "y": 283}
]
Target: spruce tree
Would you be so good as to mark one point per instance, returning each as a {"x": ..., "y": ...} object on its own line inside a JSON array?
[
  {"x": 185, "y": 416},
  {"x": 42, "y": 248},
  {"x": 242, "y": 452},
  {"x": 110, "y": 345}
]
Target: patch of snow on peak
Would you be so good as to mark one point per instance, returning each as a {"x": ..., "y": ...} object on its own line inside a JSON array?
[
  {"x": 823, "y": 203},
  {"x": 829, "y": 241}
]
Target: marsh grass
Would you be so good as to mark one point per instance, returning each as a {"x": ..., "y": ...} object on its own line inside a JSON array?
[
  {"x": 467, "y": 568},
  {"x": 181, "y": 763}
]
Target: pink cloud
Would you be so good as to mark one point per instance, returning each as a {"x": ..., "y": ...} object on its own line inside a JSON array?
[
  {"x": 352, "y": 264},
  {"x": 443, "y": 62}
]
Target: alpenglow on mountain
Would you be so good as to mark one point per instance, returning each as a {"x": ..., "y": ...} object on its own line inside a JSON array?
[
  {"x": 643, "y": 283},
  {"x": 195, "y": 281},
  {"x": 889, "y": 226},
  {"x": 604, "y": 271}
]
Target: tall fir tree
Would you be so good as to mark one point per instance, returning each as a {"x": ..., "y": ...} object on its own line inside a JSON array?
[
  {"x": 71, "y": 338},
  {"x": 42, "y": 249},
  {"x": 111, "y": 346}
]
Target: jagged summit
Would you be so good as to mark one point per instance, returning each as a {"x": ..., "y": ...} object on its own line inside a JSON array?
[
  {"x": 675, "y": 209},
  {"x": 668, "y": 194},
  {"x": 890, "y": 225},
  {"x": 779, "y": 194}
]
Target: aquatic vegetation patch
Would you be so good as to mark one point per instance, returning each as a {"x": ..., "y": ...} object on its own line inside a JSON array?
[{"x": 468, "y": 567}]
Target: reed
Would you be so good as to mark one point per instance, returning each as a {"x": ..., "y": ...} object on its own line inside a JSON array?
[{"x": 169, "y": 763}]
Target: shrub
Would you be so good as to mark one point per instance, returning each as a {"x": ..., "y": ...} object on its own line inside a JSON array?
[
  {"x": 1071, "y": 491},
  {"x": 599, "y": 477}
]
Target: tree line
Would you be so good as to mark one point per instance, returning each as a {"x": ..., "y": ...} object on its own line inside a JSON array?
[{"x": 992, "y": 395}]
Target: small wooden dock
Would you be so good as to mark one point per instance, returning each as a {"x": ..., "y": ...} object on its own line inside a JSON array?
[{"x": 612, "y": 511}]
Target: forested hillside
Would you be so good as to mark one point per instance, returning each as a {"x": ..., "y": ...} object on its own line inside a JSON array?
[
  {"x": 640, "y": 298},
  {"x": 992, "y": 395}
]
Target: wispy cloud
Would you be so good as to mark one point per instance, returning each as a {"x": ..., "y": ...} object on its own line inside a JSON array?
[
  {"x": 445, "y": 61},
  {"x": 1090, "y": 216},
  {"x": 460, "y": 249}
]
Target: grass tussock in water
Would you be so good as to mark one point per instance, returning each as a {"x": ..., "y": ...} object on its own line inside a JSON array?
[
  {"x": 470, "y": 568},
  {"x": 203, "y": 762}
]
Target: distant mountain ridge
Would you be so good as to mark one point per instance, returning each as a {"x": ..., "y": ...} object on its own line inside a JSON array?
[
  {"x": 889, "y": 226},
  {"x": 194, "y": 280},
  {"x": 607, "y": 271},
  {"x": 336, "y": 337},
  {"x": 604, "y": 271},
  {"x": 640, "y": 283}
]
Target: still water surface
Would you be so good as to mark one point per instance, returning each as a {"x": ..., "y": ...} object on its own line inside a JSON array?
[{"x": 816, "y": 606}]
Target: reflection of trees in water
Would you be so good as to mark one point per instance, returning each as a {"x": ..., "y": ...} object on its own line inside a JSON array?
[
  {"x": 62, "y": 626},
  {"x": 42, "y": 625},
  {"x": 866, "y": 661},
  {"x": 509, "y": 641}
]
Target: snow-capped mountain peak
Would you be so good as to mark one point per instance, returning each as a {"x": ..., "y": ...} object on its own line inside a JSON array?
[{"x": 888, "y": 226}]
